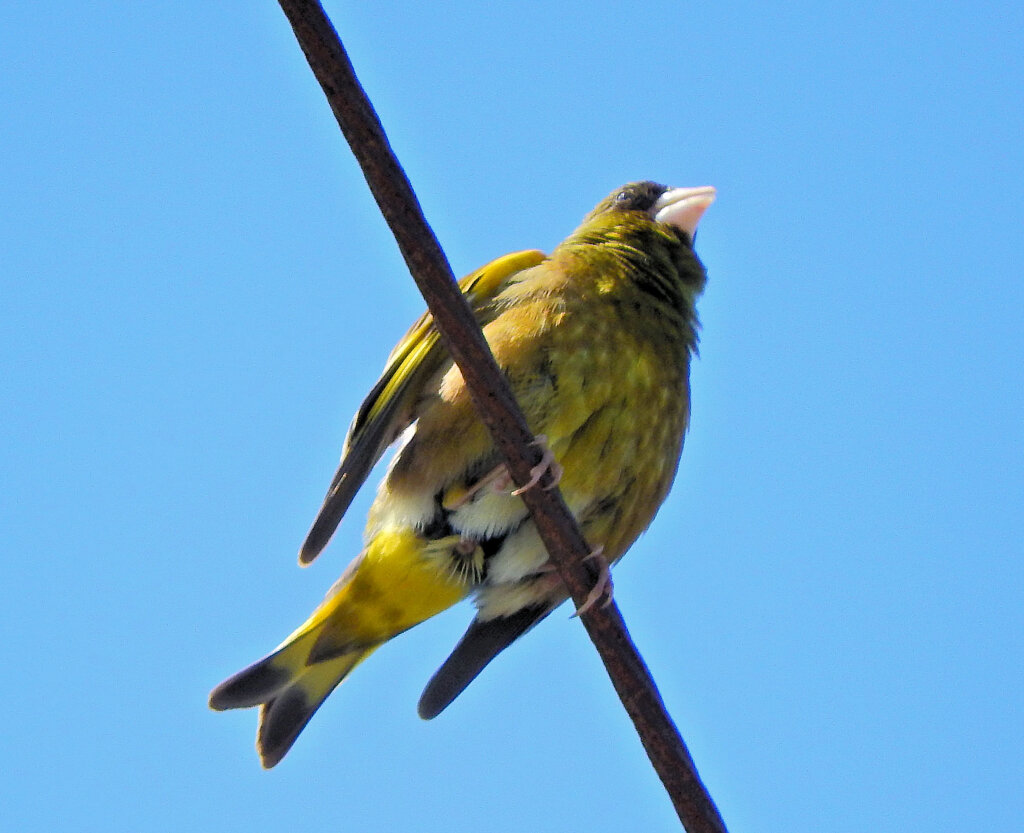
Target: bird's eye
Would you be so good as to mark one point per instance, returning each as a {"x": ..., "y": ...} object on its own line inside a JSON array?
[{"x": 623, "y": 198}]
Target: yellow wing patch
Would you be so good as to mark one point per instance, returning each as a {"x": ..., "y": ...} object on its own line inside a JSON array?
[{"x": 419, "y": 354}]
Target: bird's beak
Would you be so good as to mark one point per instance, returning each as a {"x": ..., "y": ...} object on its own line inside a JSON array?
[{"x": 683, "y": 207}]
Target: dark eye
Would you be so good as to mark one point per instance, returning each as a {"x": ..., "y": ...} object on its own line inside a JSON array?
[{"x": 624, "y": 198}]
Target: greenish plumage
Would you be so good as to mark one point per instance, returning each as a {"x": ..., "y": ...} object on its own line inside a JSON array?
[{"x": 596, "y": 342}]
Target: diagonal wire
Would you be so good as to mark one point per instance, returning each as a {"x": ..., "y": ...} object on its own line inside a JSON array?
[{"x": 498, "y": 409}]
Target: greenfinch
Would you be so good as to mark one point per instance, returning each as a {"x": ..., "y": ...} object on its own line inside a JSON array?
[{"x": 595, "y": 341}]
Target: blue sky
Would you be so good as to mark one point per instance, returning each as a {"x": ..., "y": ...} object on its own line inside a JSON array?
[{"x": 197, "y": 290}]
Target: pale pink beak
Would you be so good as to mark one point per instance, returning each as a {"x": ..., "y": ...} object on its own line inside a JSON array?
[{"x": 683, "y": 207}]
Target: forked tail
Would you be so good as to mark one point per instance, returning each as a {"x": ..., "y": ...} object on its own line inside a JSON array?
[{"x": 288, "y": 686}]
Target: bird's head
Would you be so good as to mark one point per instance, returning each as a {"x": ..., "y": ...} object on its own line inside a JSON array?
[
  {"x": 648, "y": 230},
  {"x": 677, "y": 208}
]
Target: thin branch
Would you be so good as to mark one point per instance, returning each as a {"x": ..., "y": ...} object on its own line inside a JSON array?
[{"x": 498, "y": 409}]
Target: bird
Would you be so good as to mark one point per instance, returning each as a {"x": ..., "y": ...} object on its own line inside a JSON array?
[{"x": 596, "y": 341}]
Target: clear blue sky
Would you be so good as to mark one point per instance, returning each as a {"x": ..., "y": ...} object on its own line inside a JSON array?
[{"x": 197, "y": 290}]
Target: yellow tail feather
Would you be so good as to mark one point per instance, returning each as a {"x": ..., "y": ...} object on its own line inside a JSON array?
[
  {"x": 285, "y": 715},
  {"x": 288, "y": 687},
  {"x": 390, "y": 587}
]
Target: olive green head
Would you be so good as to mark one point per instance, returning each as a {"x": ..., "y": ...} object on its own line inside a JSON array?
[{"x": 649, "y": 229}]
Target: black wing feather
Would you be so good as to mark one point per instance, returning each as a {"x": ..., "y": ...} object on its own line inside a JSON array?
[{"x": 481, "y": 643}]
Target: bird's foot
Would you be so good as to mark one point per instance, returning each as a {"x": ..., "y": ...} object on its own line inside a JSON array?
[
  {"x": 603, "y": 585},
  {"x": 547, "y": 463},
  {"x": 498, "y": 479}
]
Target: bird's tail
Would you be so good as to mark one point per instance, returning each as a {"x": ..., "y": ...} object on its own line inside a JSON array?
[
  {"x": 390, "y": 587},
  {"x": 289, "y": 686}
]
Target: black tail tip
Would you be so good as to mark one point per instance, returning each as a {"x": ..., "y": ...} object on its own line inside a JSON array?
[
  {"x": 281, "y": 721},
  {"x": 249, "y": 687}
]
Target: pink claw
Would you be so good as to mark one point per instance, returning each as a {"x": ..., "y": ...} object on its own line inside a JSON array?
[
  {"x": 547, "y": 463},
  {"x": 498, "y": 479},
  {"x": 602, "y": 586}
]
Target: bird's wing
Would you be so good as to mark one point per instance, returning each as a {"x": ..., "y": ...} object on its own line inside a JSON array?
[
  {"x": 390, "y": 406},
  {"x": 481, "y": 643}
]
